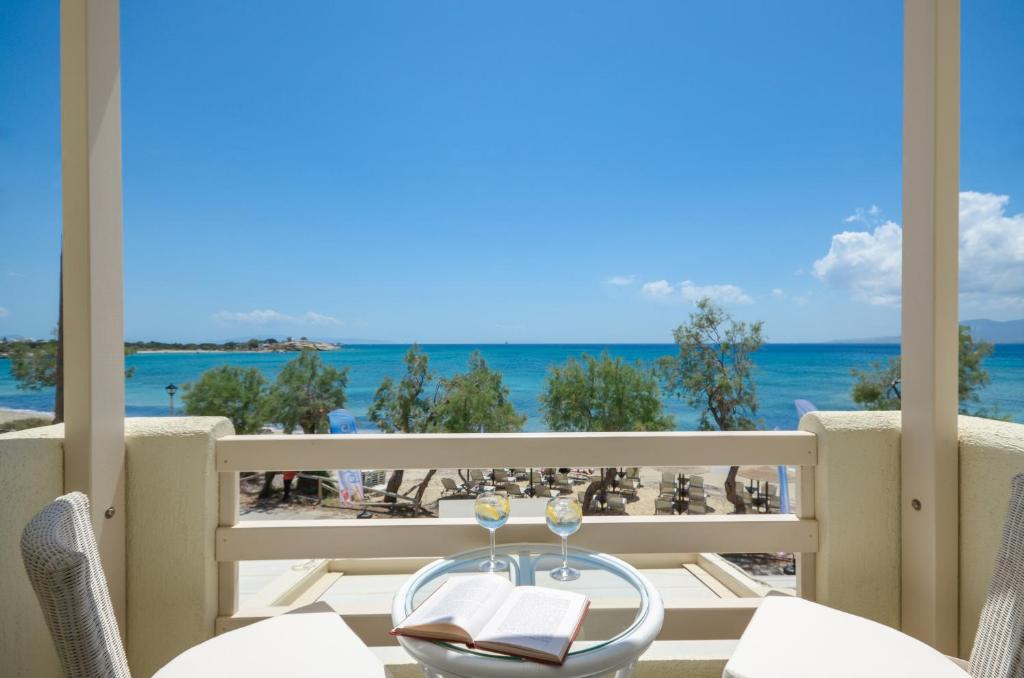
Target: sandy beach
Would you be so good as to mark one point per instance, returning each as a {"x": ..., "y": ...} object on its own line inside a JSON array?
[
  {"x": 641, "y": 505},
  {"x": 7, "y": 416}
]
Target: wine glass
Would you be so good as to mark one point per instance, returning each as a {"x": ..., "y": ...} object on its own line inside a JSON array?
[
  {"x": 491, "y": 510},
  {"x": 564, "y": 515}
]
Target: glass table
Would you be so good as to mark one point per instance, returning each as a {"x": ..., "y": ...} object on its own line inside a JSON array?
[{"x": 625, "y": 616}]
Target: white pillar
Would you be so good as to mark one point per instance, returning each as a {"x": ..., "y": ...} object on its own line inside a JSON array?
[
  {"x": 90, "y": 84},
  {"x": 931, "y": 159}
]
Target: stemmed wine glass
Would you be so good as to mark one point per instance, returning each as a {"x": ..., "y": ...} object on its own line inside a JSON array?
[
  {"x": 491, "y": 510},
  {"x": 564, "y": 516}
]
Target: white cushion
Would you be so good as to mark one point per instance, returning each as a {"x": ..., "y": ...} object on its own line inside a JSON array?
[
  {"x": 794, "y": 638},
  {"x": 309, "y": 641}
]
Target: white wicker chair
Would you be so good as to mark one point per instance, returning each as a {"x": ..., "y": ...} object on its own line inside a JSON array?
[
  {"x": 999, "y": 643},
  {"x": 63, "y": 564},
  {"x": 793, "y": 637}
]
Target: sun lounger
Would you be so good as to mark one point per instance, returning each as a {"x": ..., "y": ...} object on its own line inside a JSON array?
[
  {"x": 748, "y": 501},
  {"x": 541, "y": 491},
  {"x": 666, "y": 488},
  {"x": 662, "y": 505},
  {"x": 450, "y": 487},
  {"x": 616, "y": 504},
  {"x": 500, "y": 475},
  {"x": 668, "y": 477},
  {"x": 627, "y": 486},
  {"x": 513, "y": 490},
  {"x": 476, "y": 475}
]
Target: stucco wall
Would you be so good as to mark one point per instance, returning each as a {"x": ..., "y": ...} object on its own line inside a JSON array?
[
  {"x": 857, "y": 507},
  {"x": 32, "y": 473},
  {"x": 172, "y": 515},
  {"x": 991, "y": 453}
]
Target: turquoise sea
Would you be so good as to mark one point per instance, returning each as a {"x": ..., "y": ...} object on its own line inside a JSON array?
[{"x": 816, "y": 372}]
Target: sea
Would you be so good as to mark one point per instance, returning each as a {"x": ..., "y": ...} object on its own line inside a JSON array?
[{"x": 819, "y": 373}]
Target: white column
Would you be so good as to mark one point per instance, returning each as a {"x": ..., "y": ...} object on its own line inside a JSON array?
[
  {"x": 931, "y": 159},
  {"x": 94, "y": 451}
]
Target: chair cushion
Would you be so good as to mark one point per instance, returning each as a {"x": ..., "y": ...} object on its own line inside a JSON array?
[
  {"x": 794, "y": 638},
  {"x": 309, "y": 641}
]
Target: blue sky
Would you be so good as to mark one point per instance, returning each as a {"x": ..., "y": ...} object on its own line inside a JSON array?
[{"x": 520, "y": 171}]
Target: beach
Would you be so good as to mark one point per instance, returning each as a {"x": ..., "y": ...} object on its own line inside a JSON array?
[
  {"x": 642, "y": 505},
  {"x": 9, "y": 415}
]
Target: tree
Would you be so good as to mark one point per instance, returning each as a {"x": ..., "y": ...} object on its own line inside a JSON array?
[
  {"x": 713, "y": 373},
  {"x": 34, "y": 364},
  {"x": 878, "y": 387},
  {"x": 475, "y": 401},
  {"x": 603, "y": 394},
  {"x": 233, "y": 392},
  {"x": 37, "y": 365},
  {"x": 405, "y": 406},
  {"x": 305, "y": 391}
]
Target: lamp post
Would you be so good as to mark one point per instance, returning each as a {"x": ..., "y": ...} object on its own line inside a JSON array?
[{"x": 171, "y": 390}]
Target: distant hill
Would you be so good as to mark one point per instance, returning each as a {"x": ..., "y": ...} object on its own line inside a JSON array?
[
  {"x": 994, "y": 331},
  {"x": 997, "y": 331}
]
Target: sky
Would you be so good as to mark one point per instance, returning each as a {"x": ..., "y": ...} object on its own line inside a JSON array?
[{"x": 440, "y": 171}]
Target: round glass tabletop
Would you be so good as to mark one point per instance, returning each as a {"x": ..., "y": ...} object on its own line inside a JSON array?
[{"x": 619, "y": 598}]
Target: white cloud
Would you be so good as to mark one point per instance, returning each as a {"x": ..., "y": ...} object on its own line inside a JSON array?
[
  {"x": 265, "y": 317},
  {"x": 621, "y": 280},
  {"x": 865, "y": 262},
  {"x": 865, "y": 216},
  {"x": 689, "y": 291},
  {"x": 659, "y": 289},
  {"x": 3, "y": 312},
  {"x": 776, "y": 292},
  {"x": 314, "y": 318},
  {"x": 991, "y": 257}
]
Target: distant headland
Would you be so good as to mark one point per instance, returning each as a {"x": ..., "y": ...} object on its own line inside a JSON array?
[
  {"x": 287, "y": 345},
  {"x": 269, "y": 345}
]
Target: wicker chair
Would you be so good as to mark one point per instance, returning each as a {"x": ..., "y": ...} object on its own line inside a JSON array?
[
  {"x": 63, "y": 564},
  {"x": 999, "y": 643},
  {"x": 792, "y": 637}
]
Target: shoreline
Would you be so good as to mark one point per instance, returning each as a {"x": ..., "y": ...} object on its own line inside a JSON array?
[{"x": 10, "y": 414}]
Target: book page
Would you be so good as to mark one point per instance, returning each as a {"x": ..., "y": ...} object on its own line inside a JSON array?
[
  {"x": 535, "y": 618},
  {"x": 467, "y": 602}
]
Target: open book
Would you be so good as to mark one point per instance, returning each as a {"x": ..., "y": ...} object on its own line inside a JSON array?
[{"x": 489, "y": 612}]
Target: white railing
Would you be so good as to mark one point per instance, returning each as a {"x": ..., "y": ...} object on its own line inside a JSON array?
[{"x": 436, "y": 537}]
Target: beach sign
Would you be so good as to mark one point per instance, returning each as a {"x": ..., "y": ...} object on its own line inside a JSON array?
[{"x": 350, "y": 482}]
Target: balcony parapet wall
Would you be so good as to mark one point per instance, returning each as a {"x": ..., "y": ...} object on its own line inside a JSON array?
[
  {"x": 857, "y": 497},
  {"x": 172, "y": 488}
]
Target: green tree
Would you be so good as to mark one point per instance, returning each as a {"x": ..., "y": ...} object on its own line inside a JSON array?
[
  {"x": 476, "y": 401},
  {"x": 603, "y": 394},
  {"x": 37, "y": 365},
  {"x": 878, "y": 387},
  {"x": 406, "y": 406},
  {"x": 304, "y": 392},
  {"x": 713, "y": 373},
  {"x": 420, "y": 402},
  {"x": 233, "y": 392},
  {"x": 33, "y": 364}
]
